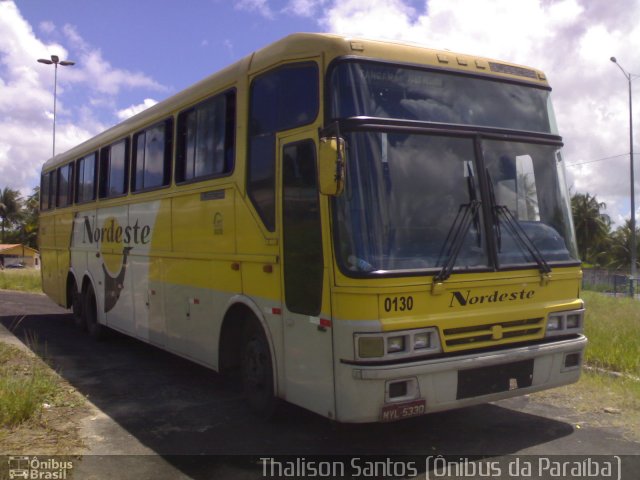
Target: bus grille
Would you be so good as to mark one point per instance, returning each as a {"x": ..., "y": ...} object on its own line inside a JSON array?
[{"x": 487, "y": 334}]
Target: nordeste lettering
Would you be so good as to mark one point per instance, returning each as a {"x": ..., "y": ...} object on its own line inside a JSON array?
[
  {"x": 136, "y": 234},
  {"x": 459, "y": 298}
]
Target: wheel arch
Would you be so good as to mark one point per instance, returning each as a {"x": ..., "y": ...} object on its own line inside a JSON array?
[
  {"x": 72, "y": 281},
  {"x": 88, "y": 281},
  {"x": 240, "y": 310}
]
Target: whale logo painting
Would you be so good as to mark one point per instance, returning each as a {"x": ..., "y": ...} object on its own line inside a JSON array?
[
  {"x": 115, "y": 244},
  {"x": 114, "y": 285}
]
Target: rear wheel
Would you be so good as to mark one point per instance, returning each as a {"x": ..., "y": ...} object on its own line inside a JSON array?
[
  {"x": 76, "y": 307},
  {"x": 257, "y": 371},
  {"x": 90, "y": 315}
]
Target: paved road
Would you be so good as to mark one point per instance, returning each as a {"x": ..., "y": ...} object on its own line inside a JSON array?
[{"x": 149, "y": 402}]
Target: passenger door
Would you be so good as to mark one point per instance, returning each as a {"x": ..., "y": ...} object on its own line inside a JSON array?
[{"x": 306, "y": 308}]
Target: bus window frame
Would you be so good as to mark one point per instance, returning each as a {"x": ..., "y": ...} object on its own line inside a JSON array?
[
  {"x": 168, "y": 155},
  {"x": 70, "y": 187},
  {"x": 271, "y": 227},
  {"x": 76, "y": 179},
  {"x": 51, "y": 179},
  {"x": 104, "y": 166},
  {"x": 180, "y": 131}
]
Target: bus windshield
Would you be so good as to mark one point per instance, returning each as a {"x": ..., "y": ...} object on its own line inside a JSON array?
[
  {"x": 372, "y": 89},
  {"x": 414, "y": 200}
]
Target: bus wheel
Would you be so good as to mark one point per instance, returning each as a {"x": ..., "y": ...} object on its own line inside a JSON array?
[
  {"x": 257, "y": 371},
  {"x": 90, "y": 315},
  {"x": 76, "y": 308}
]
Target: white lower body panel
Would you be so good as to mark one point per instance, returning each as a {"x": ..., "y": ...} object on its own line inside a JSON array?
[{"x": 364, "y": 391}]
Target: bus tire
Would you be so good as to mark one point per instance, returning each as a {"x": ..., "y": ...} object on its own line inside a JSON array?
[
  {"x": 90, "y": 315},
  {"x": 76, "y": 308},
  {"x": 257, "y": 371}
]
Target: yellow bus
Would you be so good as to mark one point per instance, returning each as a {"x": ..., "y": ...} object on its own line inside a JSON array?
[{"x": 370, "y": 230}]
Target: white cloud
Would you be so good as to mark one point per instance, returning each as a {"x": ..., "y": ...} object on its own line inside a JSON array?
[
  {"x": 373, "y": 18},
  {"x": 47, "y": 27},
  {"x": 135, "y": 109},
  {"x": 26, "y": 96},
  {"x": 25, "y": 101},
  {"x": 571, "y": 40},
  {"x": 258, "y": 6},
  {"x": 99, "y": 73},
  {"x": 228, "y": 46},
  {"x": 304, "y": 8}
]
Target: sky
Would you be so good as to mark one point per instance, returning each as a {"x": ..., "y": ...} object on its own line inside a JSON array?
[{"x": 131, "y": 54}]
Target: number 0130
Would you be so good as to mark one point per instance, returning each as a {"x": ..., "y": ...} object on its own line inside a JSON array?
[{"x": 398, "y": 304}]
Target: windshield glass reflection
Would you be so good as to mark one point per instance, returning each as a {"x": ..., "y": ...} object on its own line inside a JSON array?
[
  {"x": 527, "y": 180},
  {"x": 402, "y": 196},
  {"x": 407, "y": 194},
  {"x": 364, "y": 88}
]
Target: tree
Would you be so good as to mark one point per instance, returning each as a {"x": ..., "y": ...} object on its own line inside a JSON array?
[
  {"x": 10, "y": 208},
  {"x": 592, "y": 226},
  {"x": 28, "y": 229},
  {"x": 621, "y": 247}
]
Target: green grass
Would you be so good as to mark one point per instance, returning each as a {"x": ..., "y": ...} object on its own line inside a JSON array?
[
  {"x": 601, "y": 287},
  {"x": 612, "y": 325},
  {"x": 25, "y": 385},
  {"x": 25, "y": 280}
]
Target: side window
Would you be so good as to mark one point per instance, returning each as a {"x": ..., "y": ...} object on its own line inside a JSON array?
[
  {"x": 303, "y": 264},
  {"x": 114, "y": 169},
  {"x": 281, "y": 99},
  {"x": 64, "y": 185},
  {"x": 152, "y": 157},
  {"x": 86, "y": 178},
  {"x": 47, "y": 191},
  {"x": 206, "y": 139}
]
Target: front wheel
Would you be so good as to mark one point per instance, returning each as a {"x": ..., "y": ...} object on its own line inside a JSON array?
[{"x": 257, "y": 371}]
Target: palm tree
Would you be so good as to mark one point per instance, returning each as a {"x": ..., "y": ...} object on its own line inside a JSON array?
[
  {"x": 592, "y": 226},
  {"x": 29, "y": 220},
  {"x": 621, "y": 247},
  {"x": 10, "y": 205}
]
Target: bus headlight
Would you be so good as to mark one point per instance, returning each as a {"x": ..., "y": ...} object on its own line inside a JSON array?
[
  {"x": 395, "y": 344},
  {"x": 563, "y": 323},
  {"x": 398, "y": 344},
  {"x": 421, "y": 340},
  {"x": 554, "y": 323},
  {"x": 574, "y": 320}
]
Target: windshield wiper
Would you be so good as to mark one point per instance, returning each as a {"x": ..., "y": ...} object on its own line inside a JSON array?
[
  {"x": 473, "y": 197},
  {"x": 513, "y": 226},
  {"x": 466, "y": 215},
  {"x": 496, "y": 220},
  {"x": 522, "y": 239}
]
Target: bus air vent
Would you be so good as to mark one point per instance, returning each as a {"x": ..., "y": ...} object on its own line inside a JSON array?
[{"x": 482, "y": 335}]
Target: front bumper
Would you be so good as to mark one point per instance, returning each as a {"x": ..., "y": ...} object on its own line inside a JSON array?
[{"x": 363, "y": 391}]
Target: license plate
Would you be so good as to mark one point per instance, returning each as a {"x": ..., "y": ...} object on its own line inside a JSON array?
[{"x": 398, "y": 411}]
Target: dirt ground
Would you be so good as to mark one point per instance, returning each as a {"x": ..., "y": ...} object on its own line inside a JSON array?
[
  {"x": 55, "y": 428},
  {"x": 600, "y": 401}
]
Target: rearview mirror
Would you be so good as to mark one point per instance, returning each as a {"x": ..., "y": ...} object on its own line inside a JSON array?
[{"x": 331, "y": 166}]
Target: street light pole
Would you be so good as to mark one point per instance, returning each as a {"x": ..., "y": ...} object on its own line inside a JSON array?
[
  {"x": 55, "y": 60},
  {"x": 628, "y": 76}
]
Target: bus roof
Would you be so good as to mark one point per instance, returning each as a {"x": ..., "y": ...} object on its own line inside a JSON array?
[{"x": 301, "y": 45}]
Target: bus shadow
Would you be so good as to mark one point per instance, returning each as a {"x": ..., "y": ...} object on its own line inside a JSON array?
[{"x": 175, "y": 407}]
